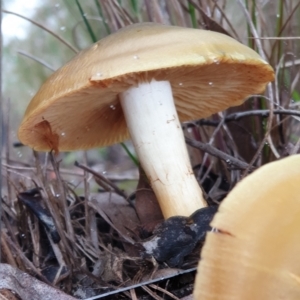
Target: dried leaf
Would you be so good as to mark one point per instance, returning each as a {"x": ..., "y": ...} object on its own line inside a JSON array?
[
  {"x": 146, "y": 204},
  {"x": 32, "y": 199}
]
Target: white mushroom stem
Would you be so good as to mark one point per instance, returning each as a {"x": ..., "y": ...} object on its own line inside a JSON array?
[{"x": 157, "y": 136}]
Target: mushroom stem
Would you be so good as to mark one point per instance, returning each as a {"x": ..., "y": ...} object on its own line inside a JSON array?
[{"x": 157, "y": 136}]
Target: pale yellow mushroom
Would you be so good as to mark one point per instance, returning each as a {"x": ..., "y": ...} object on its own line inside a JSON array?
[
  {"x": 255, "y": 254},
  {"x": 144, "y": 80}
]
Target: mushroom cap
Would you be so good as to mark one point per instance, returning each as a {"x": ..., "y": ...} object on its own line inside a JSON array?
[
  {"x": 256, "y": 253},
  {"x": 79, "y": 104}
]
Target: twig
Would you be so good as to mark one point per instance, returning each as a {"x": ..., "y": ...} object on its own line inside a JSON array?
[
  {"x": 34, "y": 230},
  {"x": 111, "y": 177},
  {"x": 120, "y": 12},
  {"x": 210, "y": 142},
  {"x": 102, "y": 178},
  {"x": 63, "y": 198},
  {"x": 85, "y": 247},
  {"x": 151, "y": 293},
  {"x": 133, "y": 294},
  {"x": 217, "y": 153},
  {"x": 156, "y": 287},
  {"x": 277, "y": 38},
  {"x": 90, "y": 220},
  {"x": 264, "y": 113}
]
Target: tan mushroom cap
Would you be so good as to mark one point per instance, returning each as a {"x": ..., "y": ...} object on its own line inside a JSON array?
[
  {"x": 256, "y": 255},
  {"x": 208, "y": 71}
]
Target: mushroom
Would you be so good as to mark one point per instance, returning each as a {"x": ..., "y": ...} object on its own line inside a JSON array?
[
  {"x": 254, "y": 251},
  {"x": 144, "y": 80}
]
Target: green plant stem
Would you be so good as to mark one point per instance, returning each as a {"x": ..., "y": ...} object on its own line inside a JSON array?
[
  {"x": 133, "y": 158},
  {"x": 254, "y": 20},
  {"x": 192, "y": 13},
  {"x": 251, "y": 42},
  {"x": 134, "y": 5},
  {"x": 86, "y": 22}
]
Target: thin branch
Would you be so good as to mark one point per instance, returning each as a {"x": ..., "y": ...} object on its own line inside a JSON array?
[
  {"x": 264, "y": 113},
  {"x": 230, "y": 160},
  {"x": 156, "y": 287},
  {"x": 102, "y": 178},
  {"x": 63, "y": 198},
  {"x": 276, "y": 38}
]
